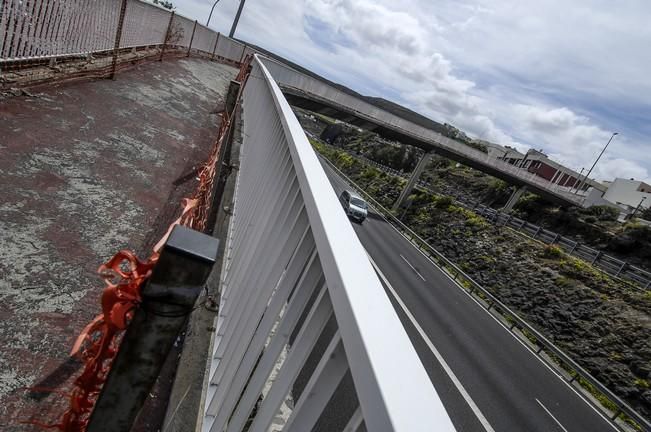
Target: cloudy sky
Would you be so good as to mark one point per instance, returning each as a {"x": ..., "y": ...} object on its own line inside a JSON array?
[{"x": 554, "y": 75}]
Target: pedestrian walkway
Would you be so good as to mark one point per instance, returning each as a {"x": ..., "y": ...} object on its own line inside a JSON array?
[{"x": 87, "y": 169}]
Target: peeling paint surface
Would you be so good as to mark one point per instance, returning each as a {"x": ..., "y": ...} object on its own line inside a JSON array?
[{"x": 87, "y": 169}]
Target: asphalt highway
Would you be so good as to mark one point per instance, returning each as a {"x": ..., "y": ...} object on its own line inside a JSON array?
[{"x": 487, "y": 379}]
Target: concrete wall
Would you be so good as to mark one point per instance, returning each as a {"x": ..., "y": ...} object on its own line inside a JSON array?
[{"x": 623, "y": 191}]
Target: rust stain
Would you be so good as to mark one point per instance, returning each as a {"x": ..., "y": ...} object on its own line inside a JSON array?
[{"x": 88, "y": 170}]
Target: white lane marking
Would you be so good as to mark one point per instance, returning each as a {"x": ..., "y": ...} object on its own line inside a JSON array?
[
  {"x": 526, "y": 347},
  {"x": 551, "y": 415},
  {"x": 413, "y": 268},
  {"x": 475, "y": 409}
]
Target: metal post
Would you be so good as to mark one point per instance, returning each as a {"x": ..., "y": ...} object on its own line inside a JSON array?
[
  {"x": 242, "y": 55},
  {"x": 638, "y": 207},
  {"x": 573, "y": 248},
  {"x": 211, "y": 11},
  {"x": 214, "y": 49},
  {"x": 587, "y": 176},
  {"x": 596, "y": 258},
  {"x": 237, "y": 19},
  {"x": 118, "y": 37},
  {"x": 192, "y": 37},
  {"x": 167, "y": 300},
  {"x": 537, "y": 232},
  {"x": 167, "y": 36},
  {"x": 621, "y": 269},
  {"x": 508, "y": 219}
]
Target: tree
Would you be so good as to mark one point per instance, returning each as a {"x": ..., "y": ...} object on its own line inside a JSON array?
[{"x": 166, "y": 4}]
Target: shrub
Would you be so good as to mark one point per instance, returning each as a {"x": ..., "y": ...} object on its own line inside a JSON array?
[
  {"x": 563, "y": 282},
  {"x": 443, "y": 202},
  {"x": 531, "y": 206},
  {"x": 552, "y": 251},
  {"x": 602, "y": 213},
  {"x": 591, "y": 219}
]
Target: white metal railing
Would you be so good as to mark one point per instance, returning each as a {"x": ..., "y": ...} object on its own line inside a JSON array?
[{"x": 294, "y": 266}]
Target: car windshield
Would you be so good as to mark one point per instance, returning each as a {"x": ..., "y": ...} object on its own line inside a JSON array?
[{"x": 358, "y": 202}]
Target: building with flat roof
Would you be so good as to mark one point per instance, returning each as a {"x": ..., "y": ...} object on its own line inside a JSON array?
[
  {"x": 538, "y": 163},
  {"x": 629, "y": 193}
]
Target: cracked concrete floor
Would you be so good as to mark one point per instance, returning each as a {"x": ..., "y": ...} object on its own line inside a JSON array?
[{"x": 87, "y": 169}]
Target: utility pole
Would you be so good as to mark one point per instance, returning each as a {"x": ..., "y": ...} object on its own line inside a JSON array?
[
  {"x": 587, "y": 176},
  {"x": 237, "y": 18}
]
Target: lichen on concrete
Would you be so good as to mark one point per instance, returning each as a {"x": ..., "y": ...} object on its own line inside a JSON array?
[{"x": 87, "y": 169}]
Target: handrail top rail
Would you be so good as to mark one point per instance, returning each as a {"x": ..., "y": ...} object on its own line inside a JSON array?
[{"x": 365, "y": 315}]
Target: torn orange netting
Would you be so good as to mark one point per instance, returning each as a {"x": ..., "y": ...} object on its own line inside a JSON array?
[{"x": 124, "y": 275}]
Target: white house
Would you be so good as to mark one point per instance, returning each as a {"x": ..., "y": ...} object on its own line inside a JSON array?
[{"x": 628, "y": 193}]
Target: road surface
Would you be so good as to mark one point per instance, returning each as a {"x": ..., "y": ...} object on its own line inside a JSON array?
[{"x": 488, "y": 380}]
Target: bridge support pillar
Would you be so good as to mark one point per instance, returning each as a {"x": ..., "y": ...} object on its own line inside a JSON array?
[
  {"x": 422, "y": 163},
  {"x": 515, "y": 196}
]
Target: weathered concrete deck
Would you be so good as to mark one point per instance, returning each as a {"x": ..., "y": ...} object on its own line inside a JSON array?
[{"x": 87, "y": 169}]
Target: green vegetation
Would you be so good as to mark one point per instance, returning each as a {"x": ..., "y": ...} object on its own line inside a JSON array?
[
  {"x": 602, "y": 213},
  {"x": 528, "y": 276},
  {"x": 563, "y": 282},
  {"x": 530, "y": 336},
  {"x": 166, "y": 4},
  {"x": 553, "y": 251}
]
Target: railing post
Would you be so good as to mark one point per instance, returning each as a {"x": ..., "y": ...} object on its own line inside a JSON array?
[
  {"x": 574, "y": 246},
  {"x": 242, "y": 56},
  {"x": 167, "y": 36},
  {"x": 192, "y": 37},
  {"x": 214, "y": 49},
  {"x": 167, "y": 300},
  {"x": 508, "y": 219},
  {"x": 118, "y": 37},
  {"x": 537, "y": 232},
  {"x": 621, "y": 269},
  {"x": 596, "y": 258}
]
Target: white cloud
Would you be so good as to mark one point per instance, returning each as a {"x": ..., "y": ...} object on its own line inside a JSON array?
[{"x": 536, "y": 74}]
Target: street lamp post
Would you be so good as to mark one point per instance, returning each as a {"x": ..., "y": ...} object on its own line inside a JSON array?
[
  {"x": 595, "y": 162},
  {"x": 211, "y": 10},
  {"x": 237, "y": 19},
  {"x": 638, "y": 207}
]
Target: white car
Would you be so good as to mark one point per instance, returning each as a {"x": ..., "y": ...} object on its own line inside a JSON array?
[{"x": 354, "y": 206}]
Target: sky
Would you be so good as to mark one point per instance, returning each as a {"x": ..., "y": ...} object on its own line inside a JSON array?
[{"x": 560, "y": 76}]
